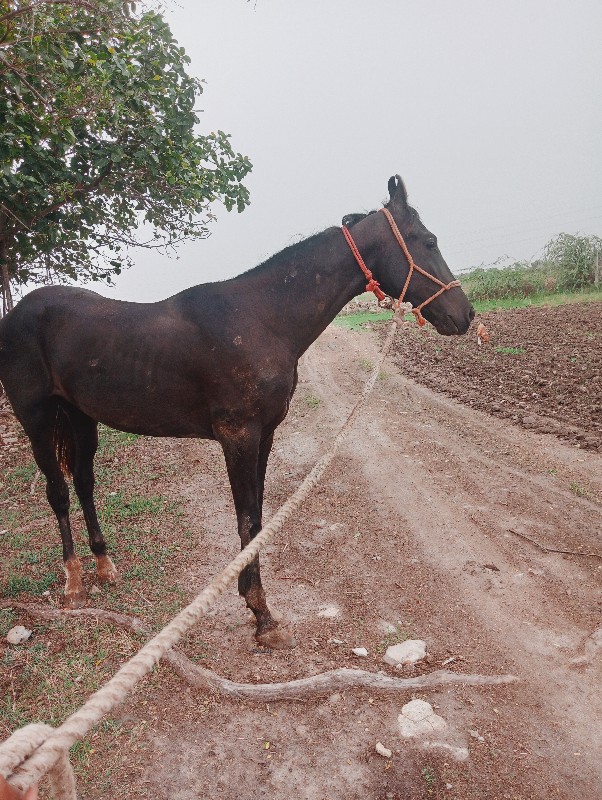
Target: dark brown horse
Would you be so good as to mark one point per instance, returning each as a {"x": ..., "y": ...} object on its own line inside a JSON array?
[{"x": 218, "y": 361}]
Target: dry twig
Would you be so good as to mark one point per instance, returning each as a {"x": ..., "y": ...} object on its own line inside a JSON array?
[{"x": 552, "y": 549}]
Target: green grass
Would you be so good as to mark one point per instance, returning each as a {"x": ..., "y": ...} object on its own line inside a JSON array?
[
  {"x": 359, "y": 321},
  {"x": 312, "y": 401},
  {"x": 538, "y": 300},
  {"x": 580, "y": 491},
  {"x": 363, "y": 320}
]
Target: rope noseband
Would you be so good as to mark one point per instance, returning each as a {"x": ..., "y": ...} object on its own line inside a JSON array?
[{"x": 374, "y": 286}]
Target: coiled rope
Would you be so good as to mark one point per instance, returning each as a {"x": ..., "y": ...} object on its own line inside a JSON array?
[{"x": 34, "y": 751}]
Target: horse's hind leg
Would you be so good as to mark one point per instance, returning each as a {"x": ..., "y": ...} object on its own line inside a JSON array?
[
  {"x": 41, "y": 426},
  {"x": 85, "y": 434}
]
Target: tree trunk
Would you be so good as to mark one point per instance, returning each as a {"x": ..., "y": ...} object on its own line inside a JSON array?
[{"x": 7, "y": 297}]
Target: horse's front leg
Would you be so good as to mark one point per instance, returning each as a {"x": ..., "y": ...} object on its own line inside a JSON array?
[{"x": 246, "y": 460}]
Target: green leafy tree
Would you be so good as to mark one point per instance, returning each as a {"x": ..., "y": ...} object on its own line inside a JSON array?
[
  {"x": 99, "y": 150},
  {"x": 573, "y": 259}
]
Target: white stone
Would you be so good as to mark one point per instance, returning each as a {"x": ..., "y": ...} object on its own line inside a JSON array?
[
  {"x": 459, "y": 753},
  {"x": 17, "y": 635},
  {"x": 408, "y": 652},
  {"x": 360, "y": 651},
  {"x": 330, "y": 612},
  {"x": 418, "y": 718},
  {"x": 382, "y": 750}
]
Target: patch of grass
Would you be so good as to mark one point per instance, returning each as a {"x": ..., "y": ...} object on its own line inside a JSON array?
[
  {"x": 16, "y": 584},
  {"x": 361, "y": 320},
  {"x": 111, "y": 440},
  {"x": 366, "y": 364},
  {"x": 20, "y": 476},
  {"x": 510, "y": 351},
  {"x": 580, "y": 491},
  {"x": 119, "y": 506},
  {"x": 537, "y": 300},
  {"x": 429, "y": 775},
  {"x": 312, "y": 401},
  {"x": 8, "y": 620},
  {"x": 390, "y": 639}
]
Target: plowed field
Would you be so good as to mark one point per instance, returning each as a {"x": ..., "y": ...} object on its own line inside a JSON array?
[{"x": 542, "y": 368}]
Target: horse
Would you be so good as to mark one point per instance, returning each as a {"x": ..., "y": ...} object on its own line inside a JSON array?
[{"x": 216, "y": 361}]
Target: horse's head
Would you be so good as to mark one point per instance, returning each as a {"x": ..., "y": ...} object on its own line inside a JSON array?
[{"x": 450, "y": 311}]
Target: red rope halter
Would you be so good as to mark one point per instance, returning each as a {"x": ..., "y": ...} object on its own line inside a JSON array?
[{"x": 374, "y": 286}]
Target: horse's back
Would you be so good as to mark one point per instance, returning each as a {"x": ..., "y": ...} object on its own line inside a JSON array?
[{"x": 163, "y": 368}]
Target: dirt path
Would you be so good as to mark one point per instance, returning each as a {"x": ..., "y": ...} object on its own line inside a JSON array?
[
  {"x": 432, "y": 523},
  {"x": 409, "y": 535}
]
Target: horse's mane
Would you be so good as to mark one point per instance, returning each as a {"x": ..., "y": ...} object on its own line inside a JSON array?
[{"x": 298, "y": 249}]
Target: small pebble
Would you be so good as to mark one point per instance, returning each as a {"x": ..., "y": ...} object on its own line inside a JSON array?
[
  {"x": 360, "y": 651},
  {"x": 382, "y": 750}
]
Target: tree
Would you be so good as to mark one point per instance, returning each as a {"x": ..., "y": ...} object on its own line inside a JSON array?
[
  {"x": 97, "y": 138},
  {"x": 574, "y": 259}
]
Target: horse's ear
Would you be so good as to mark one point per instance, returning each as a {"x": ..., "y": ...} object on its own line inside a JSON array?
[{"x": 397, "y": 191}]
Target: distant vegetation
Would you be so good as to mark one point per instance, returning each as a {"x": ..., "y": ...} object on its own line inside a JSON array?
[
  {"x": 570, "y": 264},
  {"x": 569, "y": 271}
]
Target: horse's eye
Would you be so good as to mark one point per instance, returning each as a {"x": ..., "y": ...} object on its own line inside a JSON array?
[{"x": 431, "y": 243}]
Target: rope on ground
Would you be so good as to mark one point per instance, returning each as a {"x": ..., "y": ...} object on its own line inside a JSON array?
[
  {"x": 31, "y": 767},
  {"x": 335, "y": 680}
]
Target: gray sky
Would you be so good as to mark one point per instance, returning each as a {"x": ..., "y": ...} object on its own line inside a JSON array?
[{"x": 491, "y": 113}]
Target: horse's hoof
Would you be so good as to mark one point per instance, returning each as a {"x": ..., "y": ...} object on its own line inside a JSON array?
[
  {"x": 106, "y": 570},
  {"x": 276, "y": 639},
  {"x": 75, "y": 599}
]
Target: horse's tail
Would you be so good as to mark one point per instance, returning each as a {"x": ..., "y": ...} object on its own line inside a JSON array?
[{"x": 64, "y": 442}]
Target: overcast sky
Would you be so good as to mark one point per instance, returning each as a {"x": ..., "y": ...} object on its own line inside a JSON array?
[{"x": 491, "y": 112}]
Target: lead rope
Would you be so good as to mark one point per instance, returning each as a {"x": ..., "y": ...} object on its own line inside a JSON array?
[
  {"x": 32, "y": 752},
  {"x": 374, "y": 286}
]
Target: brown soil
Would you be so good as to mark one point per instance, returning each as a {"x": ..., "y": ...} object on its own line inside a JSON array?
[
  {"x": 419, "y": 524},
  {"x": 541, "y": 369}
]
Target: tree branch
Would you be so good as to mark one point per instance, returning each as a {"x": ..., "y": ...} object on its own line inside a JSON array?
[{"x": 18, "y": 12}]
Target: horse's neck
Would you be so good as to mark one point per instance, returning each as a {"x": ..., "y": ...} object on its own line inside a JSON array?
[{"x": 301, "y": 290}]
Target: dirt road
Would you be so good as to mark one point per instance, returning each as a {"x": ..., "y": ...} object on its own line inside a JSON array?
[
  {"x": 419, "y": 529},
  {"x": 432, "y": 523}
]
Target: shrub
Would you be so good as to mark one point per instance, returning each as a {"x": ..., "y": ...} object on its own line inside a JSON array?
[{"x": 572, "y": 258}]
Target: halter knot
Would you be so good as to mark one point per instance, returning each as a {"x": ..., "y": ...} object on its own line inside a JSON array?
[{"x": 374, "y": 286}]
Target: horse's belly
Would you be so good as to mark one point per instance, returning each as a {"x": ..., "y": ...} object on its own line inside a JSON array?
[{"x": 152, "y": 408}]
